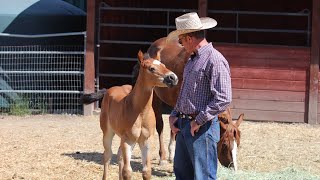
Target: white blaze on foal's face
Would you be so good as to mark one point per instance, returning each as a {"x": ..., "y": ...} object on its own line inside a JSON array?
[
  {"x": 156, "y": 62},
  {"x": 234, "y": 155}
]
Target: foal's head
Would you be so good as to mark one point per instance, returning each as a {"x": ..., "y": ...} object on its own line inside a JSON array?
[
  {"x": 155, "y": 73},
  {"x": 229, "y": 139}
]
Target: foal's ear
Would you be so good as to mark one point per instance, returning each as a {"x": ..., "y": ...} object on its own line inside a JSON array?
[
  {"x": 239, "y": 121},
  {"x": 158, "y": 56},
  {"x": 140, "y": 56},
  {"x": 223, "y": 126}
]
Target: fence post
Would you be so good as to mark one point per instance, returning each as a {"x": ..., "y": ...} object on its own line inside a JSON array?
[
  {"x": 314, "y": 65},
  {"x": 203, "y": 8},
  {"x": 89, "y": 58}
]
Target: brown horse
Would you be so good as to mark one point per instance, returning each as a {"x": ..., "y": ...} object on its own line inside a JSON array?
[
  {"x": 174, "y": 56},
  {"x": 128, "y": 112},
  {"x": 229, "y": 139}
]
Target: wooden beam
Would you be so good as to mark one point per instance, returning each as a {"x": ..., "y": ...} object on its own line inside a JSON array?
[
  {"x": 202, "y": 8},
  {"x": 89, "y": 67},
  {"x": 314, "y": 65}
]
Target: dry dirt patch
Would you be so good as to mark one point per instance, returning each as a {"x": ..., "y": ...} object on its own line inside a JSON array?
[{"x": 70, "y": 147}]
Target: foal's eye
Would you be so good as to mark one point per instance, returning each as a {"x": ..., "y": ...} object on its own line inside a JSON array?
[{"x": 152, "y": 69}]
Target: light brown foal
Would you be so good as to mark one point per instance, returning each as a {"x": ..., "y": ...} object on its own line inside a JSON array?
[{"x": 128, "y": 113}]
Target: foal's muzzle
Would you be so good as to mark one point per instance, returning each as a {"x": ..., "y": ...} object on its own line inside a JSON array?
[{"x": 170, "y": 79}]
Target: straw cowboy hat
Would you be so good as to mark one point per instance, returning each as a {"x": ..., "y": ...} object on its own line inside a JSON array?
[{"x": 190, "y": 22}]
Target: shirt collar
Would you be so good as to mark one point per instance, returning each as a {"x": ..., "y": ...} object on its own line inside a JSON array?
[{"x": 200, "y": 51}]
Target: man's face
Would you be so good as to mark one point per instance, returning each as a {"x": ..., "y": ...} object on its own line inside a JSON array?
[{"x": 186, "y": 41}]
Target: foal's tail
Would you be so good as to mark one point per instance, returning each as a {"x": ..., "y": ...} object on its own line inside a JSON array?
[{"x": 90, "y": 98}]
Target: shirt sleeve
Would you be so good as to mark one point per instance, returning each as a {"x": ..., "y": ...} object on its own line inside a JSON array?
[{"x": 220, "y": 87}]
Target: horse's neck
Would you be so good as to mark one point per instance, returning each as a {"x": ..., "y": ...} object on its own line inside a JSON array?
[{"x": 141, "y": 95}]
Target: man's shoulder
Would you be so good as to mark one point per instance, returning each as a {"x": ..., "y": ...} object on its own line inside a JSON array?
[
  {"x": 216, "y": 59},
  {"x": 215, "y": 56}
]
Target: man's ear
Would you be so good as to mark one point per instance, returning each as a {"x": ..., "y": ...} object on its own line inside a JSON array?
[{"x": 188, "y": 37}]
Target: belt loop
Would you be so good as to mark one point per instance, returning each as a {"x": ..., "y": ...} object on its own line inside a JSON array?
[{"x": 186, "y": 116}]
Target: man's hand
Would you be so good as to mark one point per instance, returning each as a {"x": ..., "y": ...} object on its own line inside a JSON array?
[
  {"x": 194, "y": 127},
  {"x": 172, "y": 121}
]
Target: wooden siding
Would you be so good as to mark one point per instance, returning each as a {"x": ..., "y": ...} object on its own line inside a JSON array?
[{"x": 269, "y": 83}]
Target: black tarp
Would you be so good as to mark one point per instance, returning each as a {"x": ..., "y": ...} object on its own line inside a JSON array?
[{"x": 41, "y": 17}]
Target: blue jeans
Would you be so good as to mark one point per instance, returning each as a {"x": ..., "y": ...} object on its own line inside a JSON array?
[{"x": 196, "y": 157}]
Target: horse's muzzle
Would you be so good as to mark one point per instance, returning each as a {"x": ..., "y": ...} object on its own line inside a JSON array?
[{"x": 171, "y": 79}]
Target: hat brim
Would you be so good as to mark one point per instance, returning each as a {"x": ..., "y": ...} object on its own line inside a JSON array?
[{"x": 207, "y": 23}]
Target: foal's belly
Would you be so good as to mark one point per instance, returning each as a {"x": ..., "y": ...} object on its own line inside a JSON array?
[{"x": 135, "y": 134}]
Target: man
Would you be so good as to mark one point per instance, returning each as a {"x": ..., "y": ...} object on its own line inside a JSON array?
[{"x": 205, "y": 92}]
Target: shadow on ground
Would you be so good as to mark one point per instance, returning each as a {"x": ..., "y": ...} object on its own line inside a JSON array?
[{"x": 97, "y": 157}]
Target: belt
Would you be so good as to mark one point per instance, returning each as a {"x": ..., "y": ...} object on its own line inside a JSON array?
[{"x": 187, "y": 116}]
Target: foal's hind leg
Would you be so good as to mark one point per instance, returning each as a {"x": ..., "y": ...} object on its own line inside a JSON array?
[
  {"x": 157, "y": 107},
  {"x": 107, "y": 155},
  {"x": 120, "y": 163},
  {"x": 146, "y": 158}
]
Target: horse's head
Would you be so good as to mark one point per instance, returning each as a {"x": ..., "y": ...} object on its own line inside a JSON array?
[
  {"x": 229, "y": 139},
  {"x": 156, "y": 73}
]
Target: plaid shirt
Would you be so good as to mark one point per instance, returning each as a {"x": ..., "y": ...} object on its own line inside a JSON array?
[{"x": 206, "y": 87}]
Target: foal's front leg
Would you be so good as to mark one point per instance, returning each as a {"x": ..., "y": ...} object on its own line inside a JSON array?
[
  {"x": 146, "y": 158},
  {"x": 126, "y": 149}
]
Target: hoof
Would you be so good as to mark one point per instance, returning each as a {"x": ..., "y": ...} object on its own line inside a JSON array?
[
  {"x": 163, "y": 162},
  {"x": 170, "y": 160}
]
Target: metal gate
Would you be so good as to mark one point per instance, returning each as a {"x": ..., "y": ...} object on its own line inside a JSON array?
[
  {"x": 39, "y": 77},
  {"x": 117, "y": 26}
]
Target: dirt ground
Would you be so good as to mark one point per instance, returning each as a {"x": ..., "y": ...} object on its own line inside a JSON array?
[{"x": 70, "y": 147}]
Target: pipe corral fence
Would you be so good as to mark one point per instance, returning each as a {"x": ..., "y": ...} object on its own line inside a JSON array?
[
  {"x": 166, "y": 25},
  {"x": 42, "y": 73}
]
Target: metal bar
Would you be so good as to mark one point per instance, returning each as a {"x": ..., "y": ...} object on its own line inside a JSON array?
[
  {"x": 43, "y": 35},
  {"x": 215, "y": 29},
  {"x": 272, "y": 30},
  {"x": 40, "y": 91},
  {"x": 260, "y": 13},
  {"x": 237, "y": 28},
  {"x": 168, "y": 21},
  {"x": 117, "y": 58},
  {"x": 309, "y": 31},
  {"x": 137, "y": 26},
  {"x": 145, "y": 9},
  {"x": 42, "y": 52},
  {"x": 209, "y": 11},
  {"x": 41, "y": 72},
  {"x": 117, "y": 75},
  {"x": 126, "y": 42}
]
